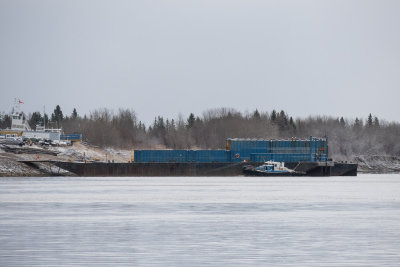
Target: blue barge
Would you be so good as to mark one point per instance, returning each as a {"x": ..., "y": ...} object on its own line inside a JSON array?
[
  {"x": 308, "y": 156},
  {"x": 245, "y": 150}
]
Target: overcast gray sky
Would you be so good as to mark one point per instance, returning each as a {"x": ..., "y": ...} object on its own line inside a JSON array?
[{"x": 339, "y": 58}]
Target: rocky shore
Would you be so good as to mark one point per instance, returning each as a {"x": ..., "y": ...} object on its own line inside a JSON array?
[
  {"x": 378, "y": 164},
  {"x": 32, "y": 161}
]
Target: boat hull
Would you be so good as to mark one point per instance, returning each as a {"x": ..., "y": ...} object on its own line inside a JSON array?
[
  {"x": 250, "y": 170},
  {"x": 194, "y": 169}
]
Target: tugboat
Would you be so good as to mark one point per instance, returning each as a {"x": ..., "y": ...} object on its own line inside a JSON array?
[{"x": 271, "y": 168}]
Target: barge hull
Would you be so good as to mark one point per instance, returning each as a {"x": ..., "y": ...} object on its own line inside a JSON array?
[{"x": 195, "y": 169}]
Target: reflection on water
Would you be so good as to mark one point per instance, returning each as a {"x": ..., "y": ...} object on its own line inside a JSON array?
[{"x": 200, "y": 221}]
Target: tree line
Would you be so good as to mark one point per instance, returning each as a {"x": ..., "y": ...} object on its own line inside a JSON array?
[{"x": 122, "y": 129}]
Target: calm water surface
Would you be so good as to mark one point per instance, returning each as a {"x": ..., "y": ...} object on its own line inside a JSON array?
[{"x": 200, "y": 221}]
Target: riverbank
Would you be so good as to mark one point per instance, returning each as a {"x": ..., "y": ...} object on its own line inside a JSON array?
[
  {"x": 12, "y": 160},
  {"x": 378, "y": 164}
]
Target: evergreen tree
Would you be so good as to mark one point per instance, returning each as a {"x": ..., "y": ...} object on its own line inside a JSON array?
[
  {"x": 5, "y": 122},
  {"x": 36, "y": 119},
  {"x": 256, "y": 114},
  {"x": 173, "y": 124},
  {"x": 357, "y": 122},
  {"x": 291, "y": 123},
  {"x": 190, "y": 121},
  {"x": 198, "y": 120},
  {"x": 160, "y": 123},
  {"x": 283, "y": 118},
  {"x": 57, "y": 116},
  {"x": 74, "y": 114},
  {"x": 369, "y": 120},
  {"x": 273, "y": 116},
  {"x": 142, "y": 126},
  {"x": 342, "y": 122},
  {"x": 376, "y": 122},
  {"x": 160, "y": 130}
]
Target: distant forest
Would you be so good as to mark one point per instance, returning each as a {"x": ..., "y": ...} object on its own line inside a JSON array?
[{"x": 122, "y": 129}]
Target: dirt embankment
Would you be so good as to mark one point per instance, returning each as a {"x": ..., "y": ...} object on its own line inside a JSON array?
[
  {"x": 378, "y": 163},
  {"x": 13, "y": 158}
]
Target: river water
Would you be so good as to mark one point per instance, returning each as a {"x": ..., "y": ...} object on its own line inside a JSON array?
[{"x": 200, "y": 221}]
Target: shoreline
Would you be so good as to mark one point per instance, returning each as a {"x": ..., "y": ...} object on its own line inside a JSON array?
[{"x": 12, "y": 160}]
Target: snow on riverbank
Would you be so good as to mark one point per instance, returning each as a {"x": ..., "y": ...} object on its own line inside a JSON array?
[
  {"x": 11, "y": 155},
  {"x": 9, "y": 166},
  {"x": 378, "y": 163}
]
